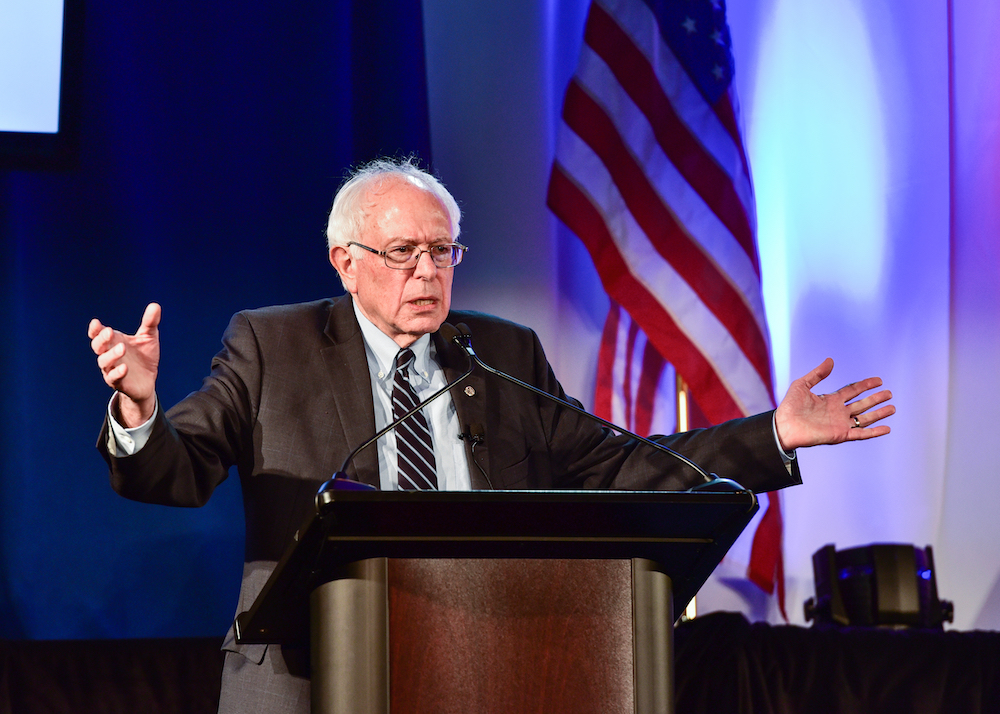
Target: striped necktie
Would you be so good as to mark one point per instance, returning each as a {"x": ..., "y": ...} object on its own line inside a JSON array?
[{"x": 414, "y": 447}]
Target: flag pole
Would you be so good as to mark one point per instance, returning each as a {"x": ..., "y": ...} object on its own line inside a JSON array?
[{"x": 683, "y": 404}]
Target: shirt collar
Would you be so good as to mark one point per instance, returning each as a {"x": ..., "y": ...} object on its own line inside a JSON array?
[{"x": 385, "y": 349}]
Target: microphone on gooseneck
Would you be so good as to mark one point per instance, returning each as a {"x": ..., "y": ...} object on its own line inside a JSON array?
[
  {"x": 339, "y": 481},
  {"x": 463, "y": 338}
]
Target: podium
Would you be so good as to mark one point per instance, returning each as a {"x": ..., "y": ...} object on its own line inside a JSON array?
[{"x": 483, "y": 601}]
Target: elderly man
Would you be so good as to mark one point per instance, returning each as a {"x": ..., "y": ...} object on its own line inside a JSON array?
[{"x": 296, "y": 387}]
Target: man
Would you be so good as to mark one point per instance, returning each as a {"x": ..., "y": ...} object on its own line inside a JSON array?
[{"x": 296, "y": 387}]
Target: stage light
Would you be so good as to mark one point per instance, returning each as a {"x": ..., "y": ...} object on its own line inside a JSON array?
[{"x": 877, "y": 585}]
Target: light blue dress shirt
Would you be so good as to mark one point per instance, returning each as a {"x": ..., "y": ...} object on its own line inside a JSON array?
[{"x": 426, "y": 377}]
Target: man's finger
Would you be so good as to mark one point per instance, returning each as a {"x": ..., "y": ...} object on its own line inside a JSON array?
[
  {"x": 819, "y": 373},
  {"x": 869, "y": 433},
  {"x": 863, "y": 405},
  {"x": 107, "y": 358},
  {"x": 857, "y": 388},
  {"x": 116, "y": 375},
  {"x": 106, "y": 361},
  {"x": 150, "y": 317},
  {"x": 94, "y": 328},
  {"x": 102, "y": 340},
  {"x": 880, "y": 414}
]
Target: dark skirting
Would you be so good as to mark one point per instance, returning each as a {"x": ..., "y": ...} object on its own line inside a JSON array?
[
  {"x": 175, "y": 676},
  {"x": 724, "y": 664}
]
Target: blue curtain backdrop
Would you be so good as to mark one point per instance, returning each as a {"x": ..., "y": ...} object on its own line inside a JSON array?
[{"x": 213, "y": 137}]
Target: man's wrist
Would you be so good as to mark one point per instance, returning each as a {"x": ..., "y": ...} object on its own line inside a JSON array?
[
  {"x": 131, "y": 413},
  {"x": 786, "y": 455},
  {"x": 122, "y": 440}
]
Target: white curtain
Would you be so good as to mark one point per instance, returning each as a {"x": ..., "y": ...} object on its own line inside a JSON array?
[{"x": 878, "y": 184}]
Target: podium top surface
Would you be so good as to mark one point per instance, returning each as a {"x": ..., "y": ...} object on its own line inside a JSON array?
[
  {"x": 685, "y": 534},
  {"x": 529, "y": 516}
]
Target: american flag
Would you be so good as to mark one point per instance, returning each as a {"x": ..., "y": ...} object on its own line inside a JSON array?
[{"x": 651, "y": 174}]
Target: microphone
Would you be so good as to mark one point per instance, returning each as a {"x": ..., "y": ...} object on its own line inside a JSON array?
[
  {"x": 475, "y": 436},
  {"x": 463, "y": 338},
  {"x": 339, "y": 481}
]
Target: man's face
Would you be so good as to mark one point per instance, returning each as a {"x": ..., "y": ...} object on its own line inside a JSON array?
[{"x": 404, "y": 304}]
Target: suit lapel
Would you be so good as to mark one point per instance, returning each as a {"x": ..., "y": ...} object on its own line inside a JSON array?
[
  {"x": 350, "y": 385},
  {"x": 469, "y": 397}
]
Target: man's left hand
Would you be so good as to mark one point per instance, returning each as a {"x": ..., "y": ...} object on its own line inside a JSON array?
[{"x": 807, "y": 419}]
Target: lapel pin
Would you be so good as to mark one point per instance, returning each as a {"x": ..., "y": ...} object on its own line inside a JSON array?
[{"x": 470, "y": 392}]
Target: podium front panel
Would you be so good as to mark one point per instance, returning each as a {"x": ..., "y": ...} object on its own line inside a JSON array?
[
  {"x": 510, "y": 636},
  {"x": 443, "y": 636}
]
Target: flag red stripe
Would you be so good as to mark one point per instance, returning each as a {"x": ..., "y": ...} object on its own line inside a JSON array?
[
  {"x": 583, "y": 218},
  {"x": 604, "y": 390},
  {"x": 652, "y": 367},
  {"x": 766, "y": 567},
  {"x": 592, "y": 124},
  {"x": 638, "y": 78}
]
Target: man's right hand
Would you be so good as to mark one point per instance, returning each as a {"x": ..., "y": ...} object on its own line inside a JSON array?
[{"x": 129, "y": 364}]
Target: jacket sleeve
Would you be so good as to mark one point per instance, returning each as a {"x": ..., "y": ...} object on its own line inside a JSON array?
[
  {"x": 553, "y": 447},
  {"x": 193, "y": 445}
]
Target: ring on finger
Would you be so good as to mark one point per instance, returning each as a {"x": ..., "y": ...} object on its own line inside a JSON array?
[{"x": 857, "y": 422}]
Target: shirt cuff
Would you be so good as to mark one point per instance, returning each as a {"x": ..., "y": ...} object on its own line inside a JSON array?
[
  {"x": 788, "y": 458},
  {"x": 123, "y": 441}
]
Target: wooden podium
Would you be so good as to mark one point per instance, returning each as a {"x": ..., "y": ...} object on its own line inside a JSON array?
[{"x": 494, "y": 601}]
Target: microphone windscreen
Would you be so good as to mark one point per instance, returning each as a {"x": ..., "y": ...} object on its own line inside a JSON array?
[
  {"x": 448, "y": 332},
  {"x": 463, "y": 329}
]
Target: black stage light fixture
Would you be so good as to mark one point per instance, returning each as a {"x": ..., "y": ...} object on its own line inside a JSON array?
[{"x": 877, "y": 585}]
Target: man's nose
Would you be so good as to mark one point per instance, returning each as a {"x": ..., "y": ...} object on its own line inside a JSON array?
[{"x": 425, "y": 267}]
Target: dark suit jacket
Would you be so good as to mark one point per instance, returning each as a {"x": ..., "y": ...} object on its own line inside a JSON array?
[{"x": 290, "y": 395}]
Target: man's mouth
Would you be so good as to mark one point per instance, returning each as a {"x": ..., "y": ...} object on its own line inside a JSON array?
[{"x": 424, "y": 301}]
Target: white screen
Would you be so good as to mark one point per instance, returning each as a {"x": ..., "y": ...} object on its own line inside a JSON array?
[{"x": 30, "y": 61}]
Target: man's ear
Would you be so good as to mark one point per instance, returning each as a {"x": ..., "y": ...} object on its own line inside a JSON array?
[{"x": 346, "y": 266}]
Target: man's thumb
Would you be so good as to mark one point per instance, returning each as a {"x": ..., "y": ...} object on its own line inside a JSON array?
[{"x": 151, "y": 317}]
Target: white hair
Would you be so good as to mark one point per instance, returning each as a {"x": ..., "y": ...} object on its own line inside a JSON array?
[{"x": 349, "y": 211}]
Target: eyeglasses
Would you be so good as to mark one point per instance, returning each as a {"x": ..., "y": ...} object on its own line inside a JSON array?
[{"x": 404, "y": 256}]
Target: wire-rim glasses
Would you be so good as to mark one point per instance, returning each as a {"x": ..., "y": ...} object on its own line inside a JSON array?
[{"x": 405, "y": 256}]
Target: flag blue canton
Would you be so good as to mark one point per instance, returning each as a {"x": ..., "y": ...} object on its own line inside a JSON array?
[{"x": 697, "y": 34}]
